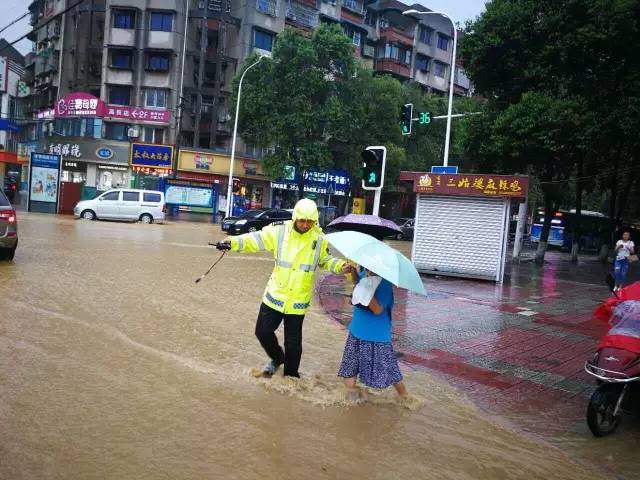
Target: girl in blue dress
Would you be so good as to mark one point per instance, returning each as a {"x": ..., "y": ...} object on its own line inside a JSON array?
[{"x": 368, "y": 354}]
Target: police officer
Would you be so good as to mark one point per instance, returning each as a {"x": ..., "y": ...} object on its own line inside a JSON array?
[{"x": 298, "y": 249}]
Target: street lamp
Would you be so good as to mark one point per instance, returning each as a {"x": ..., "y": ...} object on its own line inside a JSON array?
[
  {"x": 233, "y": 141},
  {"x": 453, "y": 69}
]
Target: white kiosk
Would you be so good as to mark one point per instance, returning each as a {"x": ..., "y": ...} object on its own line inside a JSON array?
[{"x": 462, "y": 222}]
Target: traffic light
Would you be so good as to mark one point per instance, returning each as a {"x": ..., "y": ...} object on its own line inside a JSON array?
[
  {"x": 373, "y": 163},
  {"x": 406, "y": 117}
]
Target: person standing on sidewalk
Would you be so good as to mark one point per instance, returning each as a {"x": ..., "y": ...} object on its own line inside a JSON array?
[
  {"x": 298, "y": 249},
  {"x": 624, "y": 249}
]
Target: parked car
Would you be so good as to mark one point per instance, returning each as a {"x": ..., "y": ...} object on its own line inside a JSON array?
[
  {"x": 254, "y": 220},
  {"x": 406, "y": 225},
  {"x": 8, "y": 229},
  {"x": 146, "y": 206}
]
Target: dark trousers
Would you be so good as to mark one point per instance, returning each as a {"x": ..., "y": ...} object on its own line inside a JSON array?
[{"x": 268, "y": 322}]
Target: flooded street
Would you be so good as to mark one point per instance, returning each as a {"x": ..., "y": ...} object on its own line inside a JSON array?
[{"x": 114, "y": 364}]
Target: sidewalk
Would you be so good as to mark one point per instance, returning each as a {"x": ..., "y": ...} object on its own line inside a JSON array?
[{"x": 517, "y": 350}]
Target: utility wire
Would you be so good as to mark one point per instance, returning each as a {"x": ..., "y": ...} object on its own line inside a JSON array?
[
  {"x": 15, "y": 21},
  {"x": 43, "y": 25}
]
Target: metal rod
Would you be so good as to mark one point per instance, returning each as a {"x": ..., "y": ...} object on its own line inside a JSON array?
[{"x": 233, "y": 141}]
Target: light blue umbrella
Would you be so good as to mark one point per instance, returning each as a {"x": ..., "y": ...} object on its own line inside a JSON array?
[{"x": 378, "y": 257}]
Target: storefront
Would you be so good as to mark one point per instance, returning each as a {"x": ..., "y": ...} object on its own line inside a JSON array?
[
  {"x": 97, "y": 164},
  {"x": 250, "y": 187},
  {"x": 150, "y": 164},
  {"x": 325, "y": 187}
]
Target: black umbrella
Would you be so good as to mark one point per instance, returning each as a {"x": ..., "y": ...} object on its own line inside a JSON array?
[{"x": 370, "y": 224}]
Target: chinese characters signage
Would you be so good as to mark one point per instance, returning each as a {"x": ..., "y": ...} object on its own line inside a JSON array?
[
  {"x": 139, "y": 114},
  {"x": 146, "y": 155},
  {"x": 333, "y": 182},
  {"x": 79, "y": 104},
  {"x": 65, "y": 149},
  {"x": 468, "y": 185},
  {"x": 43, "y": 178}
]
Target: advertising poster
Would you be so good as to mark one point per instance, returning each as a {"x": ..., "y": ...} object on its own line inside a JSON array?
[
  {"x": 44, "y": 178},
  {"x": 188, "y": 196}
]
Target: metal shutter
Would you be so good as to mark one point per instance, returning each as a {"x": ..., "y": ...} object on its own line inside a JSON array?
[{"x": 460, "y": 236}]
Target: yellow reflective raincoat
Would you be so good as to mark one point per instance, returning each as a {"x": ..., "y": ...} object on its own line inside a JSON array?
[{"x": 296, "y": 255}]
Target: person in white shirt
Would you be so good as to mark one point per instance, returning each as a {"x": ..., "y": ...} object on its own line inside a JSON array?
[{"x": 624, "y": 249}]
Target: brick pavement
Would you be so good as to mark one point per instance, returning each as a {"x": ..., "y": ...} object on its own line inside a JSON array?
[{"x": 516, "y": 350}]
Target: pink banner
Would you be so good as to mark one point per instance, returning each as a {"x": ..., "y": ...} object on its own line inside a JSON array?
[
  {"x": 79, "y": 104},
  {"x": 138, "y": 114}
]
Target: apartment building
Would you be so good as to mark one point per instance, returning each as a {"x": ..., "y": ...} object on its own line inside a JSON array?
[{"x": 107, "y": 77}]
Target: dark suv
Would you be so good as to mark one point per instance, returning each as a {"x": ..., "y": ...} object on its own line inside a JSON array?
[
  {"x": 253, "y": 220},
  {"x": 8, "y": 229}
]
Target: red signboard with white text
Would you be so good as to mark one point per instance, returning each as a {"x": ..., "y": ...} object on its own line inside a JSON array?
[
  {"x": 79, "y": 104},
  {"x": 138, "y": 114}
]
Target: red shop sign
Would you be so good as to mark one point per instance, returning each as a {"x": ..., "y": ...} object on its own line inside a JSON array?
[
  {"x": 79, "y": 104},
  {"x": 472, "y": 185}
]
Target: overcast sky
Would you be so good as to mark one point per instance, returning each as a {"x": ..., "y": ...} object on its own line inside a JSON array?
[{"x": 459, "y": 10}]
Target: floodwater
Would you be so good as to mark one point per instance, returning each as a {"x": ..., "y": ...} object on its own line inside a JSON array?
[{"x": 115, "y": 364}]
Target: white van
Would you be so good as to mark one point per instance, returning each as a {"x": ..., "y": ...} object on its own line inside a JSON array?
[{"x": 146, "y": 206}]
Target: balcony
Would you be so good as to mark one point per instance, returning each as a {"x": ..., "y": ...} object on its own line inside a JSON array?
[
  {"x": 354, "y": 6},
  {"x": 301, "y": 14},
  {"x": 392, "y": 34},
  {"x": 121, "y": 37},
  {"x": 389, "y": 65},
  {"x": 268, "y": 7}
]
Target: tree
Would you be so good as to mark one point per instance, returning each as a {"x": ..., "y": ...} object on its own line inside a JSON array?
[{"x": 292, "y": 100}]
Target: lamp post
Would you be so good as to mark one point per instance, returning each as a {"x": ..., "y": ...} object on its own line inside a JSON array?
[
  {"x": 453, "y": 69},
  {"x": 233, "y": 141}
]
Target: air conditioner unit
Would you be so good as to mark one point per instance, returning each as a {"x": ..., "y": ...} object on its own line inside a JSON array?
[{"x": 133, "y": 132}]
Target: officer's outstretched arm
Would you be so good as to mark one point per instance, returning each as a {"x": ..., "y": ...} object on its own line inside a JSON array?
[
  {"x": 329, "y": 263},
  {"x": 261, "y": 241}
]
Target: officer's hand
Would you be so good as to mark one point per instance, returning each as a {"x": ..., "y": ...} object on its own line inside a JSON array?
[
  {"x": 224, "y": 244},
  {"x": 348, "y": 268}
]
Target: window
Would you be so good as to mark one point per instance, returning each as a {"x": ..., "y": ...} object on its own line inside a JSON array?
[
  {"x": 151, "y": 197},
  {"x": 443, "y": 42},
  {"x": 153, "y": 135},
  {"x": 161, "y": 22},
  {"x": 124, "y": 18},
  {"x": 440, "y": 69},
  {"x": 155, "y": 97},
  {"x": 113, "y": 196},
  {"x": 78, "y": 127},
  {"x": 130, "y": 196},
  {"x": 116, "y": 131},
  {"x": 356, "y": 38},
  {"x": 263, "y": 40},
  {"x": 425, "y": 35},
  {"x": 270, "y": 7},
  {"x": 158, "y": 62},
  {"x": 396, "y": 53},
  {"x": 354, "y": 5},
  {"x": 120, "y": 95},
  {"x": 422, "y": 63},
  {"x": 121, "y": 59}
]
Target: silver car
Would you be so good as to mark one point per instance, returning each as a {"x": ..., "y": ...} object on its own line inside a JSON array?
[{"x": 8, "y": 229}]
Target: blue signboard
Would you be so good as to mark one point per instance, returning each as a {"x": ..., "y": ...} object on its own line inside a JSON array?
[
  {"x": 450, "y": 169},
  {"x": 146, "y": 155},
  {"x": 44, "y": 178},
  {"x": 330, "y": 182}
]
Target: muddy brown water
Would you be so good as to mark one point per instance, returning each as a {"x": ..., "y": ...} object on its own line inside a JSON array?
[{"x": 114, "y": 364}]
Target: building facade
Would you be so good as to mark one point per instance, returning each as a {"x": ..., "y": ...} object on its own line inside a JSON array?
[{"x": 160, "y": 72}]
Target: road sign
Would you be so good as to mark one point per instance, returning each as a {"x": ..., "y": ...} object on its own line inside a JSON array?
[{"x": 451, "y": 169}]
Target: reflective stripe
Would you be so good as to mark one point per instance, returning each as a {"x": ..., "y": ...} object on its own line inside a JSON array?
[
  {"x": 283, "y": 263},
  {"x": 256, "y": 236},
  {"x": 273, "y": 300},
  {"x": 305, "y": 267},
  {"x": 316, "y": 256},
  {"x": 240, "y": 244},
  {"x": 280, "y": 242},
  {"x": 333, "y": 264},
  {"x": 301, "y": 306}
]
